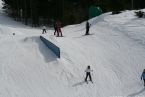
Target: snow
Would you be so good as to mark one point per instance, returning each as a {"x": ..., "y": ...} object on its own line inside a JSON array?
[
  {"x": 115, "y": 50},
  {"x": 1, "y": 4}
]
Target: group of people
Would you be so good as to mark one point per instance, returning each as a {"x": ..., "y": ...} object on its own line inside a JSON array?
[
  {"x": 58, "y": 32},
  {"x": 88, "y": 75},
  {"x": 57, "y": 28}
]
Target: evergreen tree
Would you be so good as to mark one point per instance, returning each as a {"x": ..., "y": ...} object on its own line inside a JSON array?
[{"x": 67, "y": 11}]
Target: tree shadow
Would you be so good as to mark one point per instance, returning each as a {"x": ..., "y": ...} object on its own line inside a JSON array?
[
  {"x": 79, "y": 83},
  {"x": 137, "y": 93}
]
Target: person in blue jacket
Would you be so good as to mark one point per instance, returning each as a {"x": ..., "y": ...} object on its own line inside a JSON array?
[{"x": 143, "y": 76}]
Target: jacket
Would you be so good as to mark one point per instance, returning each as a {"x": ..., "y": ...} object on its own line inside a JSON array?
[
  {"x": 88, "y": 70},
  {"x": 87, "y": 25},
  {"x": 44, "y": 28},
  {"x": 143, "y": 76}
]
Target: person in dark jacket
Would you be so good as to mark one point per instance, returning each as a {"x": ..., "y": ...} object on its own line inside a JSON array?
[
  {"x": 43, "y": 29},
  {"x": 88, "y": 74},
  {"x": 55, "y": 28},
  {"x": 143, "y": 76},
  {"x": 87, "y": 28}
]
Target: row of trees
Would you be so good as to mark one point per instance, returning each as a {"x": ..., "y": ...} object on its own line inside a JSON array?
[{"x": 68, "y": 11}]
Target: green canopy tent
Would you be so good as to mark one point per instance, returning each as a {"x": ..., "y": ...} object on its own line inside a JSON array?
[{"x": 94, "y": 11}]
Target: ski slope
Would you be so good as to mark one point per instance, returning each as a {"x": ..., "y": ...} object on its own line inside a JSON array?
[{"x": 115, "y": 50}]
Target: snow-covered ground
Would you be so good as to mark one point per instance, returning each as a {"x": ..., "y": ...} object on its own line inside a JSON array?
[
  {"x": 1, "y": 4},
  {"x": 115, "y": 50}
]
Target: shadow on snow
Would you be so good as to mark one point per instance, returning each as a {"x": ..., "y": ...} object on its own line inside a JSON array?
[{"x": 137, "y": 93}]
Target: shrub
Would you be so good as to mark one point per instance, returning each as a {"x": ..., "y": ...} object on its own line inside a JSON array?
[
  {"x": 139, "y": 14},
  {"x": 115, "y": 12}
]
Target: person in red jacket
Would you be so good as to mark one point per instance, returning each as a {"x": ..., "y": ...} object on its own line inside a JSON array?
[{"x": 59, "y": 29}]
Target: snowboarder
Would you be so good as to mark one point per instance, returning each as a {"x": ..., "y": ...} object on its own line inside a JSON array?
[
  {"x": 44, "y": 29},
  {"x": 87, "y": 28},
  {"x": 59, "y": 29},
  {"x": 143, "y": 76},
  {"x": 55, "y": 28},
  {"x": 88, "y": 74}
]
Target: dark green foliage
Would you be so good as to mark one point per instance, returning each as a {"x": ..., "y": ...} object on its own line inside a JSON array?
[
  {"x": 139, "y": 14},
  {"x": 67, "y": 11}
]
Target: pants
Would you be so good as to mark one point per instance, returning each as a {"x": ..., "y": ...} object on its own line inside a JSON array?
[
  {"x": 59, "y": 32},
  {"x": 87, "y": 31},
  {"x": 144, "y": 82},
  {"x": 44, "y": 31},
  {"x": 55, "y": 31},
  {"x": 88, "y": 75}
]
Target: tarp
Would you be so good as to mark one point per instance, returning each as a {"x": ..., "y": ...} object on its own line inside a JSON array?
[
  {"x": 55, "y": 49},
  {"x": 94, "y": 11}
]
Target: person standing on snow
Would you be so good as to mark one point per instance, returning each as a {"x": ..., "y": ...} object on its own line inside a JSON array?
[
  {"x": 87, "y": 28},
  {"x": 88, "y": 74},
  {"x": 143, "y": 76},
  {"x": 59, "y": 29},
  {"x": 43, "y": 29},
  {"x": 55, "y": 28}
]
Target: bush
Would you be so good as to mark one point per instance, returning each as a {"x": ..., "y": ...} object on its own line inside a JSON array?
[
  {"x": 139, "y": 14},
  {"x": 115, "y": 12}
]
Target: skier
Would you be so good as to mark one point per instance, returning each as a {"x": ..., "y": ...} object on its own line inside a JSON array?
[
  {"x": 143, "y": 76},
  {"x": 59, "y": 29},
  {"x": 55, "y": 28},
  {"x": 88, "y": 74},
  {"x": 87, "y": 28},
  {"x": 44, "y": 29}
]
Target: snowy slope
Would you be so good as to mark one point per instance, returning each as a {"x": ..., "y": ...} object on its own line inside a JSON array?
[{"x": 115, "y": 51}]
